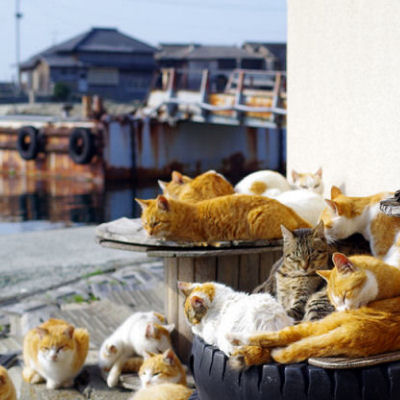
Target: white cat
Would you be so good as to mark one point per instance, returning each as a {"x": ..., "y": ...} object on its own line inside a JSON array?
[
  {"x": 306, "y": 204},
  {"x": 214, "y": 310},
  {"x": 308, "y": 181},
  {"x": 142, "y": 332}
]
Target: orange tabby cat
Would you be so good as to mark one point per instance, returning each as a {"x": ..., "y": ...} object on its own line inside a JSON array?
[
  {"x": 232, "y": 217},
  {"x": 7, "y": 389},
  {"x": 55, "y": 351},
  {"x": 203, "y": 187},
  {"x": 360, "y": 279},
  {"x": 347, "y": 215},
  {"x": 164, "y": 391},
  {"x": 362, "y": 332}
]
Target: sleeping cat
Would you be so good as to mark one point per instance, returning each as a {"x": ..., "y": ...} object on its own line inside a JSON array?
[
  {"x": 213, "y": 309},
  {"x": 295, "y": 283},
  {"x": 163, "y": 377},
  {"x": 55, "y": 351},
  {"x": 164, "y": 391},
  {"x": 358, "y": 280},
  {"x": 360, "y": 332},
  {"x": 308, "y": 181},
  {"x": 347, "y": 215},
  {"x": 7, "y": 388},
  {"x": 203, "y": 187},
  {"x": 293, "y": 280},
  {"x": 162, "y": 368},
  {"x": 233, "y": 217},
  {"x": 141, "y": 332},
  {"x": 264, "y": 183}
]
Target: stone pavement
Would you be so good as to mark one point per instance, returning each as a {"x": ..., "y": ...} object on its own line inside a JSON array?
[{"x": 99, "y": 302}]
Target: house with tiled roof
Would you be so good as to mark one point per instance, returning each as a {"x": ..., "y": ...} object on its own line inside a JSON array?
[{"x": 101, "y": 61}]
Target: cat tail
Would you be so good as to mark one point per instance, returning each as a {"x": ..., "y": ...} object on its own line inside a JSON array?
[{"x": 81, "y": 336}]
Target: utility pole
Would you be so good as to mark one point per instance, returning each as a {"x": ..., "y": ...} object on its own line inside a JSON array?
[{"x": 18, "y": 16}]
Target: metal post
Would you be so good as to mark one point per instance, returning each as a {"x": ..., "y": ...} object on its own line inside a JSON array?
[{"x": 18, "y": 16}]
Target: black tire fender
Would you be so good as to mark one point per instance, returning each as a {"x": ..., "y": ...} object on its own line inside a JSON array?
[
  {"x": 29, "y": 142},
  {"x": 81, "y": 145}
]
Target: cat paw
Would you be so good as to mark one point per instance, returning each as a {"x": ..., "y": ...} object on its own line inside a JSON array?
[
  {"x": 52, "y": 384},
  {"x": 112, "y": 380},
  {"x": 281, "y": 356},
  {"x": 246, "y": 356},
  {"x": 237, "y": 339},
  {"x": 237, "y": 360}
]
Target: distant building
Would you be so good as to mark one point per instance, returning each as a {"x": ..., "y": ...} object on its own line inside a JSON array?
[
  {"x": 274, "y": 54},
  {"x": 101, "y": 61},
  {"x": 219, "y": 60}
]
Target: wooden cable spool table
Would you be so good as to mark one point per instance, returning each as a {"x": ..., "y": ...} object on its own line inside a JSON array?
[{"x": 240, "y": 265}]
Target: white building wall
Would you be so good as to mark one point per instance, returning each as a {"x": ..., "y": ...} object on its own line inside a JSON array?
[{"x": 344, "y": 92}]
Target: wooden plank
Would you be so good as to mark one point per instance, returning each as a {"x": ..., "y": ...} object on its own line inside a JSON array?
[
  {"x": 171, "y": 295},
  {"x": 228, "y": 271},
  {"x": 267, "y": 260},
  {"x": 249, "y": 272},
  {"x": 185, "y": 273},
  {"x": 205, "y": 269}
]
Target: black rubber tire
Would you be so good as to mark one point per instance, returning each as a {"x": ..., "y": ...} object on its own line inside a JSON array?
[
  {"x": 28, "y": 150},
  {"x": 81, "y": 146},
  {"x": 215, "y": 380}
]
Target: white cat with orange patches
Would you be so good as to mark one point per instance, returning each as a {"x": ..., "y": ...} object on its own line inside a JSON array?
[
  {"x": 357, "y": 280},
  {"x": 309, "y": 181},
  {"x": 142, "y": 332},
  {"x": 346, "y": 215},
  {"x": 214, "y": 310}
]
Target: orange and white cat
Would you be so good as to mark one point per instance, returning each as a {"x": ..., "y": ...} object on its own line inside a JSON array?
[
  {"x": 357, "y": 280},
  {"x": 232, "y": 217},
  {"x": 163, "y": 377},
  {"x": 55, "y": 351},
  {"x": 309, "y": 181},
  {"x": 360, "y": 332},
  {"x": 7, "y": 388},
  {"x": 213, "y": 310},
  {"x": 346, "y": 215},
  {"x": 140, "y": 333},
  {"x": 208, "y": 185}
]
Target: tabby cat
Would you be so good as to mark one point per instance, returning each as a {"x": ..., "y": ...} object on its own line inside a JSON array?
[
  {"x": 232, "y": 217},
  {"x": 358, "y": 280},
  {"x": 7, "y": 388},
  {"x": 55, "y": 351},
  {"x": 347, "y": 215},
  {"x": 213, "y": 310},
  {"x": 293, "y": 280},
  {"x": 360, "y": 332},
  {"x": 206, "y": 186}
]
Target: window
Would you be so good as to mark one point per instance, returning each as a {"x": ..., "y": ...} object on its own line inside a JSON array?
[{"x": 103, "y": 76}]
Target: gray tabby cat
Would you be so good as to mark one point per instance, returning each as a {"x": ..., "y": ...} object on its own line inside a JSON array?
[{"x": 293, "y": 280}]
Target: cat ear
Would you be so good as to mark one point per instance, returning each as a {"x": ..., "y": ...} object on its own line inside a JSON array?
[
  {"x": 162, "y": 203},
  {"x": 169, "y": 327},
  {"x": 177, "y": 177},
  {"x": 160, "y": 317},
  {"x": 295, "y": 175},
  {"x": 332, "y": 205},
  {"x": 287, "y": 235},
  {"x": 42, "y": 332},
  {"x": 169, "y": 357},
  {"x": 143, "y": 203},
  {"x": 318, "y": 230},
  {"x": 69, "y": 332},
  {"x": 319, "y": 172},
  {"x": 324, "y": 273},
  {"x": 185, "y": 287},
  {"x": 112, "y": 348},
  {"x": 197, "y": 302},
  {"x": 335, "y": 192},
  {"x": 342, "y": 263},
  {"x": 162, "y": 184}
]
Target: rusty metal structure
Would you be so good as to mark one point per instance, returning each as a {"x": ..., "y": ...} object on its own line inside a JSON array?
[{"x": 179, "y": 127}]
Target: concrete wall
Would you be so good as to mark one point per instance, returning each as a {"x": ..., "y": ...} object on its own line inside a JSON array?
[{"x": 344, "y": 92}]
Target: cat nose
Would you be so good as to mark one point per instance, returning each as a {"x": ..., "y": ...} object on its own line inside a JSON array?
[{"x": 54, "y": 357}]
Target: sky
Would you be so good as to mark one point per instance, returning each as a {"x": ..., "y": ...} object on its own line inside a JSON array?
[{"x": 48, "y": 22}]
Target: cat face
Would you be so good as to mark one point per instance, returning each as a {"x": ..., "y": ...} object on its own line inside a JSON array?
[
  {"x": 157, "y": 216},
  {"x": 56, "y": 346},
  {"x": 176, "y": 185},
  {"x": 309, "y": 181},
  {"x": 7, "y": 389},
  {"x": 341, "y": 216},
  {"x": 198, "y": 300},
  {"x": 161, "y": 368},
  {"x": 345, "y": 283},
  {"x": 306, "y": 252}
]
